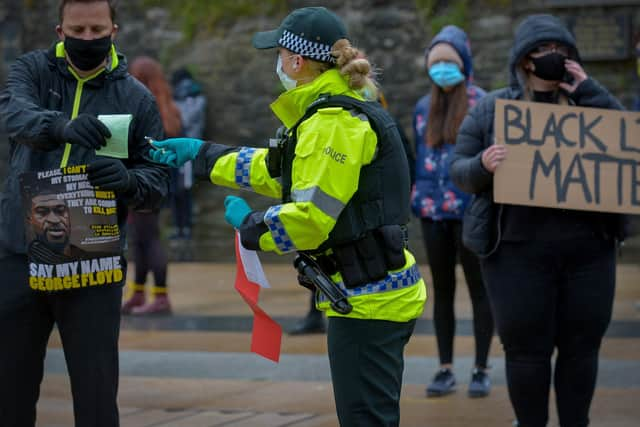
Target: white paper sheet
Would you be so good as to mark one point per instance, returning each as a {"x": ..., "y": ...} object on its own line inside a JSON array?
[{"x": 253, "y": 267}]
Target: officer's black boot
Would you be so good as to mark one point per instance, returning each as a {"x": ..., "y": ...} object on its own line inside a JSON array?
[{"x": 313, "y": 322}]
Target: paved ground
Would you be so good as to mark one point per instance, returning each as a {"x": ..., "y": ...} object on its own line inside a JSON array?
[{"x": 195, "y": 369}]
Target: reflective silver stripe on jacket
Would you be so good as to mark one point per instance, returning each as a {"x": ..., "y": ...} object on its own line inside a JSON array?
[{"x": 327, "y": 204}]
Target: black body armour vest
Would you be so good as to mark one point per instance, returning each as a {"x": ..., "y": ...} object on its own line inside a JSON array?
[{"x": 382, "y": 197}]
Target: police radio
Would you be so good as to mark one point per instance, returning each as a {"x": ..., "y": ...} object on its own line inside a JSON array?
[{"x": 274, "y": 152}]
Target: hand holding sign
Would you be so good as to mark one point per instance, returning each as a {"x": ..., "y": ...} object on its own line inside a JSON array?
[{"x": 493, "y": 156}]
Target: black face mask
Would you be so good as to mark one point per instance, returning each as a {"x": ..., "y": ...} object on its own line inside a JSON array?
[
  {"x": 548, "y": 97},
  {"x": 550, "y": 66},
  {"x": 86, "y": 55}
]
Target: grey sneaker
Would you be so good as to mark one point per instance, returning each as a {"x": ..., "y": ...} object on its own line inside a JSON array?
[
  {"x": 443, "y": 383},
  {"x": 480, "y": 384}
]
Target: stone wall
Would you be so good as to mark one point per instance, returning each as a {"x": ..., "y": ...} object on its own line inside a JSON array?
[{"x": 241, "y": 82}]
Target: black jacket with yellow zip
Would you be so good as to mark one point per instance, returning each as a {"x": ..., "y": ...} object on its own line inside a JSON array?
[{"x": 41, "y": 89}]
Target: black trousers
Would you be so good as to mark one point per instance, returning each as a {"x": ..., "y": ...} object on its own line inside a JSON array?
[
  {"x": 89, "y": 324},
  {"x": 366, "y": 359},
  {"x": 443, "y": 242},
  {"x": 552, "y": 295},
  {"x": 148, "y": 253}
]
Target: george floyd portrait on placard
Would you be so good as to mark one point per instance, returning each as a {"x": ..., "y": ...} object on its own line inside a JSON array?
[
  {"x": 50, "y": 223},
  {"x": 71, "y": 231},
  {"x": 67, "y": 223}
]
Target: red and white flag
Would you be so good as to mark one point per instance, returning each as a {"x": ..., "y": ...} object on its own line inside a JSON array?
[{"x": 266, "y": 336}]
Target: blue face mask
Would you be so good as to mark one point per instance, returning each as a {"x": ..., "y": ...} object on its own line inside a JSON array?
[
  {"x": 446, "y": 74},
  {"x": 286, "y": 81}
]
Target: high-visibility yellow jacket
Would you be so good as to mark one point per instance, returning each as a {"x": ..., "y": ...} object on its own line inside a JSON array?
[{"x": 332, "y": 147}]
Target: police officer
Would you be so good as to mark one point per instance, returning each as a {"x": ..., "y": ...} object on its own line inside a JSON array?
[
  {"x": 49, "y": 109},
  {"x": 344, "y": 190}
]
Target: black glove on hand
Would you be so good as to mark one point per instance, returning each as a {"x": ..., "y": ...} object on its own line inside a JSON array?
[
  {"x": 111, "y": 174},
  {"x": 84, "y": 130}
]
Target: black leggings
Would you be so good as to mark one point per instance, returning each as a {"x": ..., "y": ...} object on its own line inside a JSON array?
[
  {"x": 546, "y": 296},
  {"x": 443, "y": 241},
  {"x": 148, "y": 252}
]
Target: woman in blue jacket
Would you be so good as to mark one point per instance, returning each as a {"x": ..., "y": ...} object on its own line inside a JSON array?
[{"x": 440, "y": 204}]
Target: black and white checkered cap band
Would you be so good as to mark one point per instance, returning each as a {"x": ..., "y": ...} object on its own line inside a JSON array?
[{"x": 318, "y": 51}]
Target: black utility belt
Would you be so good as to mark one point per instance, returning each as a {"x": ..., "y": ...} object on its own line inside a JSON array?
[{"x": 367, "y": 259}]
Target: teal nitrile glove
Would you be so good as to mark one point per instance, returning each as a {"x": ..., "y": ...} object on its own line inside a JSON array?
[
  {"x": 236, "y": 210},
  {"x": 175, "y": 151}
]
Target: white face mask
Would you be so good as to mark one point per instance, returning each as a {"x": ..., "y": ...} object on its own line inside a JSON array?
[{"x": 286, "y": 81}]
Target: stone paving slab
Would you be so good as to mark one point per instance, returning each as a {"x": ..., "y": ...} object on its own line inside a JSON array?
[
  {"x": 239, "y": 342},
  {"x": 618, "y": 328},
  {"x": 144, "y": 418},
  {"x": 271, "y": 405},
  {"x": 209, "y": 418},
  {"x": 623, "y": 374}
]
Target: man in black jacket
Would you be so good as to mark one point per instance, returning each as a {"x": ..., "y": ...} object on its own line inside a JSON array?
[{"x": 49, "y": 110}]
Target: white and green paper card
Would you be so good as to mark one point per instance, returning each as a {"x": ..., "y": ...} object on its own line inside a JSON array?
[{"x": 118, "y": 145}]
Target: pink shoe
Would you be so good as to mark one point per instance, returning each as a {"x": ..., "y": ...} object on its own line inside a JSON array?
[
  {"x": 137, "y": 299},
  {"x": 160, "y": 305}
]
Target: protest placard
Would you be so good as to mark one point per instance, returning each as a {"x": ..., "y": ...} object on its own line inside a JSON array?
[
  {"x": 568, "y": 157},
  {"x": 72, "y": 231}
]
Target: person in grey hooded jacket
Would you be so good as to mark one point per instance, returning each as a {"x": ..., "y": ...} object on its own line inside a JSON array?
[
  {"x": 545, "y": 295},
  {"x": 49, "y": 109}
]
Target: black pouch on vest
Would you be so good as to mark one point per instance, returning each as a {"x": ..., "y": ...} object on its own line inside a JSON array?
[
  {"x": 360, "y": 262},
  {"x": 327, "y": 264},
  {"x": 353, "y": 274},
  {"x": 392, "y": 239},
  {"x": 372, "y": 257}
]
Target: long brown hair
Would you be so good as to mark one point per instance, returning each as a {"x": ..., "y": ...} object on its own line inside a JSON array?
[
  {"x": 446, "y": 113},
  {"x": 150, "y": 74}
]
